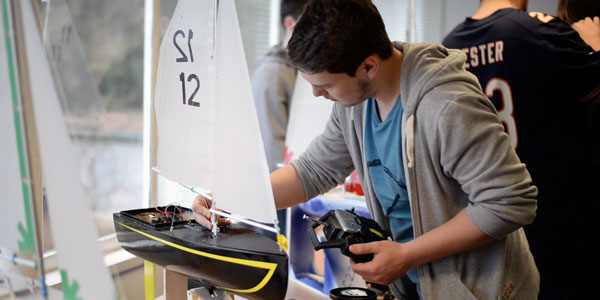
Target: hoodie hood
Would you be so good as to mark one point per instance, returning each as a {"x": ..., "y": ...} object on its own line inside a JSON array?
[
  {"x": 427, "y": 66},
  {"x": 276, "y": 54}
]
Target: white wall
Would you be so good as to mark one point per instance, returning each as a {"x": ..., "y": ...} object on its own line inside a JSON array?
[
  {"x": 545, "y": 6},
  {"x": 435, "y": 18}
]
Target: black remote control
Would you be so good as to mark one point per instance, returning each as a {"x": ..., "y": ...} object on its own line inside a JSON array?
[{"x": 342, "y": 228}]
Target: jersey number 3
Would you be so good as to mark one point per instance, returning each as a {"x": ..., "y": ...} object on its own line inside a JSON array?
[{"x": 505, "y": 112}]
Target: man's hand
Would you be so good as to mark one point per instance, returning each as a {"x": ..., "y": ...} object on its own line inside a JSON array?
[
  {"x": 390, "y": 261},
  {"x": 202, "y": 215},
  {"x": 589, "y": 30}
]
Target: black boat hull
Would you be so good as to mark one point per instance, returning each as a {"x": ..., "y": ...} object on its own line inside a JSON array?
[{"x": 238, "y": 260}]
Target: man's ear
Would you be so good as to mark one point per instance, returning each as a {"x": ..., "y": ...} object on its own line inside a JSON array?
[
  {"x": 370, "y": 66},
  {"x": 289, "y": 22}
]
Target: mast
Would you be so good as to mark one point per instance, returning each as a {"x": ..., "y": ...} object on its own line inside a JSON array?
[{"x": 213, "y": 218}]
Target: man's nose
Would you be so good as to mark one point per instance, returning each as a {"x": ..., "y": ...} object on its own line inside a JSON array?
[{"x": 317, "y": 91}]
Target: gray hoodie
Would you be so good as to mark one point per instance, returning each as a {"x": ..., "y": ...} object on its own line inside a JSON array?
[
  {"x": 456, "y": 156},
  {"x": 273, "y": 84}
]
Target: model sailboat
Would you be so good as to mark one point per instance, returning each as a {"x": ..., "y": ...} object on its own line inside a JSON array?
[
  {"x": 209, "y": 141},
  {"x": 209, "y": 134}
]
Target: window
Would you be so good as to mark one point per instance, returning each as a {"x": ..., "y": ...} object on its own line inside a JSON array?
[
  {"x": 255, "y": 21},
  {"x": 95, "y": 49},
  {"x": 394, "y": 14}
]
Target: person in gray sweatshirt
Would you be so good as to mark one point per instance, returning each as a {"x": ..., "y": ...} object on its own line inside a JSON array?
[
  {"x": 273, "y": 85},
  {"x": 437, "y": 168}
]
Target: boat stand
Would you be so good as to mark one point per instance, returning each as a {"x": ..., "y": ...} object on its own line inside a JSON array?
[
  {"x": 204, "y": 294},
  {"x": 176, "y": 287}
]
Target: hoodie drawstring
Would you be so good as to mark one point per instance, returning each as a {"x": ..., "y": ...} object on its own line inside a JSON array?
[{"x": 410, "y": 140}]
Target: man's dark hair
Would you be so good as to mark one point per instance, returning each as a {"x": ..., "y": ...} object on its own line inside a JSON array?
[
  {"x": 337, "y": 35},
  {"x": 575, "y": 10},
  {"x": 292, "y": 8}
]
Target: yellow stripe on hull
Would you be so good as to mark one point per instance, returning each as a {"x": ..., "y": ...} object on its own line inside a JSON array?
[{"x": 244, "y": 262}]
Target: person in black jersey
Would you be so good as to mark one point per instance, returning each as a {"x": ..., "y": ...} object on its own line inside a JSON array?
[{"x": 544, "y": 82}]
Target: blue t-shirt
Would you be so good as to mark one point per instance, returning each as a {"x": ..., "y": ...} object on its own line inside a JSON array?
[{"x": 383, "y": 150}]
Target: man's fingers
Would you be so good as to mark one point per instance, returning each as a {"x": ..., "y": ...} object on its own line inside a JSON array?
[
  {"x": 203, "y": 221},
  {"x": 202, "y": 214},
  {"x": 201, "y": 210},
  {"x": 365, "y": 248},
  {"x": 206, "y": 222},
  {"x": 223, "y": 221},
  {"x": 200, "y": 200}
]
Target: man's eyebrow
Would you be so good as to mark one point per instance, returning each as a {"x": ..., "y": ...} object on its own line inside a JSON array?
[{"x": 322, "y": 86}]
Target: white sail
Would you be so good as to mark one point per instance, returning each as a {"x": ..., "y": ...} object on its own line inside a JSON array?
[
  {"x": 215, "y": 144},
  {"x": 184, "y": 95},
  {"x": 242, "y": 184},
  {"x": 308, "y": 116},
  {"x": 75, "y": 238}
]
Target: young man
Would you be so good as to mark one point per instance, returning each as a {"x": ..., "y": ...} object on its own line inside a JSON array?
[
  {"x": 437, "y": 168},
  {"x": 544, "y": 80}
]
